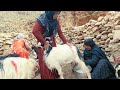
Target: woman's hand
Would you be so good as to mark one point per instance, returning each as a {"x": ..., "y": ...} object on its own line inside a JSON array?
[
  {"x": 46, "y": 46},
  {"x": 117, "y": 60}
]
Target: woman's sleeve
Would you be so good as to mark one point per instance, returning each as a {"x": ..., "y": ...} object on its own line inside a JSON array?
[
  {"x": 37, "y": 33},
  {"x": 60, "y": 33},
  {"x": 92, "y": 62}
]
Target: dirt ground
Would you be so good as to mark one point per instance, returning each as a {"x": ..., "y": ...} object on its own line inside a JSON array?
[
  {"x": 23, "y": 22},
  {"x": 68, "y": 73}
]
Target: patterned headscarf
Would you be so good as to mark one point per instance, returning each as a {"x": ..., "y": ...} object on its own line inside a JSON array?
[
  {"x": 89, "y": 42},
  {"x": 20, "y": 36},
  {"x": 50, "y": 24}
]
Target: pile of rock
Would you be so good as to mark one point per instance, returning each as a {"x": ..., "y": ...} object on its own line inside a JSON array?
[
  {"x": 101, "y": 30},
  {"x": 6, "y": 40}
]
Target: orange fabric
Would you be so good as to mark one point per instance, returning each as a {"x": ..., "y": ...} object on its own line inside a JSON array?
[{"x": 18, "y": 46}]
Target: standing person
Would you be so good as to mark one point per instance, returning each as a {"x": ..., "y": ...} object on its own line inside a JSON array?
[
  {"x": 97, "y": 60},
  {"x": 47, "y": 26},
  {"x": 20, "y": 46}
]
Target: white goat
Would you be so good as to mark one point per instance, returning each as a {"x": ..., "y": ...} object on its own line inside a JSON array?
[
  {"x": 62, "y": 55},
  {"x": 18, "y": 68}
]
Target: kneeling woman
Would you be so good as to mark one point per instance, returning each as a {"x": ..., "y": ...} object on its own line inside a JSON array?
[{"x": 97, "y": 60}]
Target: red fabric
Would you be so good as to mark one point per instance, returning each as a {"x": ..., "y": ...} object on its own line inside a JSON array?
[
  {"x": 38, "y": 31},
  {"x": 14, "y": 64},
  {"x": 44, "y": 71},
  {"x": 18, "y": 46}
]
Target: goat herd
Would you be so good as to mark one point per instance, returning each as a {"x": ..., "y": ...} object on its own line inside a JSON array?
[{"x": 22, "y": 68}]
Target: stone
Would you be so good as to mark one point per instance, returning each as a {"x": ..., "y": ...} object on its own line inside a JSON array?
[
  {"x": 101, "y": 30},
  {"x": 116, "y": 22},
  {"x": 96, "y": 33},
  {"x": 102, "y": 46},
  {"x": 92, "y": 22},
  {"x": 102, "y": 42},
  {"x": 98, "y": 36},
  {"x": 118, "y": 44},
  {"x": 104, "y": 32},
  {"x": 8, "y": 42},
  {"x": 110, "y": 31},
  {"x": 117, "y": 27},
  {"x": 111, "y": 59},
  {"x": 110, "y": 46},
  {"x": 104, "y": 37},
  {"x": 100, "y": 26},
  {"x": 107, "y": 41},
  {"x": 80, "y": 37},
  {"x": 100, "y": 18},
  {"x": 107, "y": 49},
  {"x": 103, "y": 22},
  {"x": 91, "y": 33},
  {"x": 88, "y": 33},
  {"x": 108, "y": 25},
  {"x": 111, "y": 42},
  {"x": 7, "y": 38},
  {"x": 89, "y": 28},
  {"x": 87, "y": 24},
  {"x": 85, "y": 35},
  {"x": 98, "y": 23},
  {"x": 110, "y": 35},
  {"x": 117, "y": 16},
  {"x": 95, "y": 29},
  {"x": 80, "y": 33},
  {"x": 117, "y": 40},
  {"x": 1, "y": 41},
  {"x": 106, "y": 18},
  {"x": 85, "y": 31}
]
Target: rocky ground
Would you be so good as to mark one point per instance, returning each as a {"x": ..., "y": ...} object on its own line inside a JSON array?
[
  {"x": 102, "y": 26},
  {"x": 105, "y": 31}
]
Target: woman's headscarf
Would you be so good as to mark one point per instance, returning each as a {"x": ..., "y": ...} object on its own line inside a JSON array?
[
  {"x": 95, "y": 49},
  {"x": 50, "y": 24},
  {"x": 50, "y": 14},
  {"x": 20, "y": 36},
  {"x": 89, "y": 42}
]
